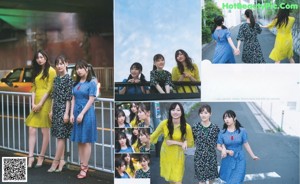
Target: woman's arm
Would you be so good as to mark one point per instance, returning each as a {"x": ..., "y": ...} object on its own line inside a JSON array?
[
  {"x": 85, "y": 109},
  {"x": 249, "y": 150},
  {"x": 236, "y": 51},
  {"x": 67, "y": 111},
  {"x": 167, "y": 88},
  {"x": 159, "y": 89},
  {"x": 72, "y": 110}
]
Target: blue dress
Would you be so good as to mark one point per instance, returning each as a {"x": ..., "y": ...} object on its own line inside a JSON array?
[
  {"x": 233, "y": 168},
  {"x": 86, "y": 131},
  {"x": 134, "y": 90},
  {"x": 223, "y": 51},
  {"x": 127, "y": 150}
]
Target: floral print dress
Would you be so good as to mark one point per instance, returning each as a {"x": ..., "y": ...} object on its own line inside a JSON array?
[
  {"x": 161, "y": 77},
  {"x": 251, "y": 50}
]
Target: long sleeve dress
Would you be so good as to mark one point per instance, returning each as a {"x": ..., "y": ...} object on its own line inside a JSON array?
[
  {"x": 40, "y": 88},
  {"x": 172, "y": 157},
  {"x": 205, "y": 160},
  {"x": 194, "y": 73},
  {"x": 283, "y": 47},
  {"x": 233, "y": 168},
  {"x": 251, "y": 50},
  {"x": 223, "y": 52}
]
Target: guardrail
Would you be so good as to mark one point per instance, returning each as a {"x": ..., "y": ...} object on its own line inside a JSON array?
[
  {"x": 15, "y": 107},
  {"x": 195, "y": 88},
  {"x": 105, "y": 76}
]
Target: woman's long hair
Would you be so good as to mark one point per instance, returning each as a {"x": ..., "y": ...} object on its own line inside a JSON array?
[
  {"x": 218, "y": 20},
  {"x": 155, "y": 58},
  {"x": 82, "y": 64},
  {"x": 121, "y": 135},
  {"x": 130, "y": 164},
  {"x": 182, "y": 121},
  {"x": 249, "y": 14},
  {"x": 118, "y": 163},
  {"x": 231, "y": 114},
  {"x": 117, "y": 114},
  {"x": 135, "y": 138},
  {"x": 133, "y": 115},
  {"x": 137, "y": 66},
  {"x": 38, "y": 68},
  {"x": 188, "y": 61},
  {"x": 282, "y": 17}
]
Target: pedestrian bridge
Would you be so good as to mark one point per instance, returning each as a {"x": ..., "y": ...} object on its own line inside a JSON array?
[{"x": 15, "y": 107}]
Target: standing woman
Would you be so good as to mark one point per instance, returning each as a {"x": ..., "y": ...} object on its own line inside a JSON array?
[
  {"x": 43, "y": 75},
  {"x": 283, "y": 47},
  {"x": 205, "y": 135},
  {"x": 83, "y": 115},
  {"x": 230, "y": 142},
  {"x": 177, "y": 137},
  {"x": 60, "y": 111},
  {"x": 248, "y": 33},
  {"x": 185, "y": 70},
  {"x": 225, "y": 47}
]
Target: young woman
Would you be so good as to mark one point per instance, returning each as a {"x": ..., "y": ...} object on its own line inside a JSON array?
[
  {"x": 120, "y": 119},
  {"x": 177, "y": 137},
  {"x": 133, "y": 117},
  {"x": 120, "y": 169},
  {"x": 248, "y": 33},
  {"x": 136, "y": 76},
  {"x": 60, "y": 113},
  {"x": 185, "y": 70},
  {"x": 283, "y": 47},
  {"x": 225, "y": 46},
  {"x": 144, "y": 172},
  {"x": 205, "y": 135},
  {"x": 83, "y": 115},
  {"x": 43, "y": 75},
  {"x": 230, "y": 142},
  {"x": 122, "y": 144},
  {"x": 160, "y": 79},
  {"x": 131, "y": 167},
  {"x": 144, "y": 136},
  {"x": 144, "y": 116}
]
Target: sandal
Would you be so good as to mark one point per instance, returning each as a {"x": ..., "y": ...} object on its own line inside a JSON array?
[
  {"x": 83, "y": 172},
  {"x": 40, "y": 165},
  {"x": 61, "y": 165},
  {"x": 54, "y": 165},
  {"x": 29, "y": 166}
]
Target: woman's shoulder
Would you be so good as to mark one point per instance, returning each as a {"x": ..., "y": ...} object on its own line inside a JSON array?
[
  {"x": 52, "y": 70},
  {"x": 164, "y": 122}
]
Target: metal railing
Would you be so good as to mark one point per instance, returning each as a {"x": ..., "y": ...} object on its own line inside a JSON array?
[
  {"x": 15, "y": 107},
  {"x": 105, "y": 76},
  {"x": 194, "y": 88}
]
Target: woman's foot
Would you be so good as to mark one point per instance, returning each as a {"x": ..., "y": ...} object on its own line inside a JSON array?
[
  {"x": 40, "y": 161},
  {"x": 53, "y": 166},
  {"x": 30, "y": 161},
  {"x": 61, "y": 165},
  {"x": 83, "y": 172}
]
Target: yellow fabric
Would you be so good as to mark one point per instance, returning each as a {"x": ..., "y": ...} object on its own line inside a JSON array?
[
  {"x": 136, "y": 166},
  {"x": 134, "y": 123},
  {"x": 40, "y": 88},
  {"x": 135, "y": 147},
  {"x": 176, "y": 75},
  {"x": 172, "y": 157},
  {"x": 283, "y": 47}
]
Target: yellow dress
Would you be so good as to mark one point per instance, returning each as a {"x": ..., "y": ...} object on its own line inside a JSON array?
[
  {"x": 133, "y": 123},
  {"x": 136, "y": 166},
  {"x": 176, "y": 75},
  {"x": 172, "y": 157},
  {"x": 135, "y": 146},
  {"x": 283, "y": 47},
  {"x": 40, "y": 87}
]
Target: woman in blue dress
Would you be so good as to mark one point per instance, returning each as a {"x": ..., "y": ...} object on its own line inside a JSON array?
[
  {"x": 83, "y": 115},
  {"x": 122, "y": 143},
  {"x": 230, "y": 142},
  {"x": 223, "y": 51}
]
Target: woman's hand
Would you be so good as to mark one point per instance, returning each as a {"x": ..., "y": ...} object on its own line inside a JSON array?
[
  {"x": 184, "y": 145},
  {"x": 223, "y": 153},
  {"x": 50, "y": 115},
  {"x": 255, "y": 157},
  {"x": 72, "y": 118},
  {"x": 66, "y": 118},
  {"x": 230, "y": 152},
  {"x": 79, "y": 118},
  {"x": 169, "y": 142}
]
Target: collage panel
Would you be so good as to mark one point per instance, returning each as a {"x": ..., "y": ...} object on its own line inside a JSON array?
[
  {"x": 157, "y": 51},
  {"x": 250, "y": 32}
]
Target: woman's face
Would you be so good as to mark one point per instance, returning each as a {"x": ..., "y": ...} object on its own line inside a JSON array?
[
  {"x": 228, "y": 120},
  {"x": 61, "y": 66},
  {"x": 142, "y": 115},
  {"x": 204, "y": 115},
  {"x": 122, "y": 168},
  {"x": 176, "y": 113},
  {"x": 121, "y": 119},
  {"x": 81, "y": 72},
  {"x": 135, "y": 131},
  {"x": 133, "y": 108},
  {"x": 41, "y": 60},
  {"x": 135, "y": 73},
  {"x": 122, "y": 141},
  {"x": 144, "y": 138},
  {"x": 180, "y": 57},
  {"x": 160, "y": 63},
  {"x": 127, "y": 158},
  {"x": 144, "y": 163}
]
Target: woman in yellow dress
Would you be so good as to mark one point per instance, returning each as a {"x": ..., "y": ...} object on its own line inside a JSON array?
[
  {"x": 185, "y": 71},
  {"x": 43, "y": 75},
  {"x": 177, "y": 137},
  {"x": 283, "y": 47}
]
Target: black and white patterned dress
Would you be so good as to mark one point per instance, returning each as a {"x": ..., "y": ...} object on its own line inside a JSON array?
[
  {"x": 161, "y": 77},
  {"x": 62, "y": 92},
  {"x": 251, "y": 50},
  {"x": 205, "y": 160},
  {"x": 141, "y": 174}
]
